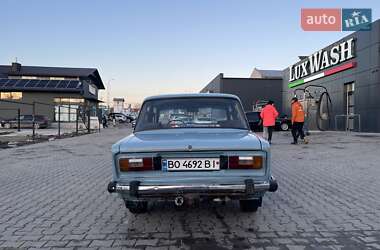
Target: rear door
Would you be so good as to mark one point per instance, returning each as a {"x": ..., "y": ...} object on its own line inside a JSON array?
[
  {"x": 254, "y": 120},
  {"x": 26, "y": 121}
]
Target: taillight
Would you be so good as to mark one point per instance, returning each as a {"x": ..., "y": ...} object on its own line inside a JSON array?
[
  {"x": 245, "y": 162},
  {"x": 135, "y": 164}
]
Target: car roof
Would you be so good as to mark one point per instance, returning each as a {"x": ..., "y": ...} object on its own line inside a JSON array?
[{"x": 192, "y": 95}]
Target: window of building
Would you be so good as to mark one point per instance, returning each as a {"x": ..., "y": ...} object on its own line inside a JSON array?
[
  {"x": 66, "y": 108},
  {"x": 10, "y": 95},
  {"x": 44, "y": 77},
  {"x": 65, "y": 100},
  {"x": 28, "y": 77}
]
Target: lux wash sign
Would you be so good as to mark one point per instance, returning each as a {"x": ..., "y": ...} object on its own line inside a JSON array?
[{"x": 319, "y": 61}]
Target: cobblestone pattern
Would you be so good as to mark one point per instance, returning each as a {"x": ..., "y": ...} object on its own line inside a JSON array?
[{"x": 53, "y": 195}]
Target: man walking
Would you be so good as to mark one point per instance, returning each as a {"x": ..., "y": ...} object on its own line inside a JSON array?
[
  {"x": 298, "y": 119},
  {"x": 104, "y": 121},
  {"x": 268, "y": 115}
]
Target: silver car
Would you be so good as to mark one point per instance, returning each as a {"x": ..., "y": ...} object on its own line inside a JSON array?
[{"x": 172, "y": 159}]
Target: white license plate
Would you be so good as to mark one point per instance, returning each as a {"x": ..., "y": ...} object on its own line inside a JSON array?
[{"x": 187, "y": 164}]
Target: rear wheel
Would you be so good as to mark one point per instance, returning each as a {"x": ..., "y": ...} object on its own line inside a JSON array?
[
  {"x": 250, "y": 205},
  {"x": 284, "y": 126},
  {"x": 137, "y": 207}
]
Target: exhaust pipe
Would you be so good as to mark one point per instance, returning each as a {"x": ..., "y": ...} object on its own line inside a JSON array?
[{"x": 178, "y": 201}]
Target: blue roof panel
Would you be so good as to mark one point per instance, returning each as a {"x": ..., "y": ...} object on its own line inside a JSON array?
[
  {"x": 52, "y": 84},
  {"x": 11, "y": 83},
  {"x": 22, "y": 83},
  {"x": 39, "y": 85}
]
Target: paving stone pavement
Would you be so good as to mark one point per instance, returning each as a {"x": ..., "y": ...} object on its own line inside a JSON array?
[{"x": 53, "y": 196}]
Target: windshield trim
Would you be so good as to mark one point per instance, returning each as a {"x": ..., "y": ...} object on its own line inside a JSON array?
[{"x": 194, "y": 97}]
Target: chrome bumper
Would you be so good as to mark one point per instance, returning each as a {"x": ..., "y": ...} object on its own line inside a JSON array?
[{"x": 249, "y": 187}]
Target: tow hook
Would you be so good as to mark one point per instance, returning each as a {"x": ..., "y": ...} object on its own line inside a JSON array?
[
  {"x": 179, "y": 200},
  {"x": 111, "y": 187},
  {"x": 273, "y": 186}
]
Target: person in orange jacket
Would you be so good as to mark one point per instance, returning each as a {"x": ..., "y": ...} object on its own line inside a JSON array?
[
  {"x": 268, "y": 115},
  {"x": 298, "y": 119}
]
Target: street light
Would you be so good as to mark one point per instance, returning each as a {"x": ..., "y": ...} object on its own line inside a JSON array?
[{"x": 108, "y": 92}]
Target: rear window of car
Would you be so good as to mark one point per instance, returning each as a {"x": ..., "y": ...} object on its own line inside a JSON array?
[
  {"x": 194, "y": 112},
  {"x": 40, "y": 117},
  {"x": 253, "y": 116},
  {"x": 26, "y": 117}
]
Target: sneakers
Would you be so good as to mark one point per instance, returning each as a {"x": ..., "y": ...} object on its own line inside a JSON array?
[{"x": 294, "y": 143}]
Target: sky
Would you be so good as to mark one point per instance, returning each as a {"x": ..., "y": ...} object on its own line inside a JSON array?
[{"x": 149, "y": 47}]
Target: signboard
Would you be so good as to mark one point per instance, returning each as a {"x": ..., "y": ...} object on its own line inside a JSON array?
[
  {"x": 336, "y": 19},
  {"x": 316, "y": 65},
  {"x": 91, "y": 89}
]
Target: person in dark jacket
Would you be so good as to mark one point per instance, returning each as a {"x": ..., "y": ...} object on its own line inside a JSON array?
[
  {"x": 104, "y": 121},
  {"x": 298, "y": 119}
]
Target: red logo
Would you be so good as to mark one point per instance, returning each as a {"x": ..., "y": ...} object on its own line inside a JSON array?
[{"x": 321, "y": 19}]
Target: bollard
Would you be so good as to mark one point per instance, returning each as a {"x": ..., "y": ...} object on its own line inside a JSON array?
[
  {"x": 33, "y": 120},
  {"x": 76, "y": 122},
  {"x": 59, "y": 121},
  {"x": 18, "y": 120},
  {"x": 88, "y": 121}
]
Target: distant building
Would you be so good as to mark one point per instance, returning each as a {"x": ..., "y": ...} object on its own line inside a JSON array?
[
  {"x": 249, "y": 90},
  {"x": 118, "y": 105},
  {"x": 260, "y": 73},
  {"x": 48, "y": 87}
]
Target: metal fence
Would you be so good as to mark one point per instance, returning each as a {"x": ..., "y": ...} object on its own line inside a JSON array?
[{"x": 58, "y": 127}]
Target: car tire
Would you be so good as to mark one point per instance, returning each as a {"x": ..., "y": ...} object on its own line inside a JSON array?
[
  {"x": 250, "y": 205},
  {"x": 137, "y": 207},
  {"x": 284, "y": 126},
  {"x": 7, "y": 125}
]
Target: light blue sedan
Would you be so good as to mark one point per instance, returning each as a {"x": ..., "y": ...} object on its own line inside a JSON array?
[{"x": 191, "y": 146}]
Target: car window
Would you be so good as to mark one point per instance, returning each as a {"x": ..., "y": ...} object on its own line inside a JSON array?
[
  {"x": 191, "y": 113},
  {"x": 39, "y": 117},
  {"x": 253, "y": 116},
  {"x": 26, "y": 117}
]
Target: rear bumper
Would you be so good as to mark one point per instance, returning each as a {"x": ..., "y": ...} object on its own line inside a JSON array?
[{"x": 249, "y": 187}]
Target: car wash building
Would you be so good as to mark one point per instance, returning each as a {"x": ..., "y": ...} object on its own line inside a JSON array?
[
  {"x": 339, "y": 85},
  {"x": 260, "y": 86},
  {"x": 53, "y": 90}
]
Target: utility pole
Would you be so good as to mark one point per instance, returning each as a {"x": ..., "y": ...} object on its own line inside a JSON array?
[{"x": 108, "y": 93}]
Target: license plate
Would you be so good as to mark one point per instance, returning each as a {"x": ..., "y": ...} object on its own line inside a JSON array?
[{"x": 189, "y": 164}]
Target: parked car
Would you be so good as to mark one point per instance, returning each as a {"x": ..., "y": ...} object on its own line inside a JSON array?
[
  {"x": 2, "y": 122},
  {"x": 120, "y": 117},
  {"x": 283, "y": 123},
  {"x": 26, "y": 121},
  {"x": 193, "y": 160}
]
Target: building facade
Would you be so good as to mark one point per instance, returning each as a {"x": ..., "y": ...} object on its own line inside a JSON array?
[
  {"x": 348, "y": 70},
  {"x": 118, "y": 105},
  {"x": 249, "y": 90},
  {"x": 52, "y": 90}
]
